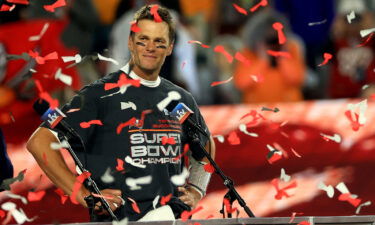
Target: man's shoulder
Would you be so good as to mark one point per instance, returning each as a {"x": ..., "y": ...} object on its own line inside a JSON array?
[{"x": 98, "y": 85}]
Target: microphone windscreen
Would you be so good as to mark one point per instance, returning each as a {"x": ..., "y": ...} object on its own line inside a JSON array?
[
  {"x": 41, "y": 106},
  {"x": 170, "y": 107}
]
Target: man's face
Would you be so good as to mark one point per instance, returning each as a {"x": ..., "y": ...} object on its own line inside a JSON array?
[{"x": 150, "y": 46}]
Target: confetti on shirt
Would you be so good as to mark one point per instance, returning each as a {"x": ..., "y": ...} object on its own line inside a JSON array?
[
  {"x": 366, "y": 32},
  {"x": 216, "y": 83},
  {"x": 35, "y": 196},
  {"x": 134, "y": 205},
  {"x": 41, "y": 60},
  {"x": 261, "y": 3},
  {"x": 240, "y": 9},
  {"x": 165, "y": 199},
  {"x": 280, "y": 34},
  {"x": 242, "y": 58},
  {"x": 23, "y": 2},
  {"x": 279, "y": 54},
  {"x": 40, "y": 35},
  {"x": 186, "y": 149},
  {"x": 107, "y": 177},
  {"x": 327, "y": 57},
  {"x": 77, "y": 186},
  {"x": 179, "y": 179},
  {"x": 350, "y": 16},
  {"x": 327, "y": 188},
  {"x": 185, "y": 215},
  {"x": 154, "y": 12},
  {"x": 166, "y": 140},
  {"x": 221, "y": 49},
  {"x": 134, "y": 27},
  {"x": 57, "y": 4},
  {"x": 281, "y": 192},
  {"x": 134, "y": 183},
  {"x": 63, "y": 196},
  {"x": 120, "y": 165},
  {"x": 155, "y": 201},
  {"x": 233, "y": 138},
  {"x": 317, "y": 23},
  {"x": 89, "y": 123},
  {"x": 122, "y": 82},
  {"x": 362, "y": 205}
]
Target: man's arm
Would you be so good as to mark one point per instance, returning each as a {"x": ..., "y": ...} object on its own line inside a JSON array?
[{"x": 56, "y": 168}]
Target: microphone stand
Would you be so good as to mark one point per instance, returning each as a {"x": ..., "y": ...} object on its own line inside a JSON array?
[
  {"x": 91, "y": 185},
  {"x": 232, "y": 193}
]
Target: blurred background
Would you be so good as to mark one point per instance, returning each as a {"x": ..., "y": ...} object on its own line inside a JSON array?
[{"x": 283, "y": 85}]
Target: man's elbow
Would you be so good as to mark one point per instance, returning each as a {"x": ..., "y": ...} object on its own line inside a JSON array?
[{"x": 40, "y": 137}]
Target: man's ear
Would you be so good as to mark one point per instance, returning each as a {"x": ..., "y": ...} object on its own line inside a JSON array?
[
  {"x": 130, "y": 43},
  {"x": 170, "y": 49}
]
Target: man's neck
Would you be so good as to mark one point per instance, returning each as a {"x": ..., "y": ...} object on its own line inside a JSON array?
[{"x": 147, "y": 75}]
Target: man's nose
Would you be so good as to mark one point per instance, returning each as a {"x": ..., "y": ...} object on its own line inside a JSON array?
[{"x": 150, "y": 46}]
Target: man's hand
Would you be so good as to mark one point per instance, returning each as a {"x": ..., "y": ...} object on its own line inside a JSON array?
[
  {"x": 189, "y": 196},
  {"x": 112, "y": 196}
]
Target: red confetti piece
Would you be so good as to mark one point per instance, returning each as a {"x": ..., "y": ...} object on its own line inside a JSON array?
[
  {"x": 45, "y": 158},
  {"x": 57, "y": 4},
  {"x": 2, "y": 214},
  {"x": 261, "y": 3},
  {"x": 366, "y": 41},
  {"x": 53, "y": 103},
  {"x": 294, "y": 214},
  {"x": 354, "y": 121},
  {"x": 348, "y": 197},
  {"x": 102, "y": 196},
  {"x": 296, "y": 153},
  {"x": 123, "y": 80},
  {"x": 279, "y": 28},
  {"x": 221, "y": 49},
  {"x": 143, "y": 116},
  {"x": 89, "y": 123},
  {"x": 24, "y": 2},
  {"x": 274, "y": 156},
  {"x": 166, "y": 140},
  {"x": 130, "y": 122},
  {"x": 5, "y": 8},
  {"x": 278, "y": 53},
  {"x": 134, "y": 27},
  {"x": 242, "y": 58},
  {"x": 35, "y": 196},
  {"x": 134, "y": 205},
  {"x": 240, "y": 9},
  {"x": 327, "y": 57},
  {"x": 63, "y": 196},
  {"x": 233, "y": 138},
  {"x": 372, "y": 97},
  {"x": 120, "y": 165},
  {"x": 209, "y": 168},
  {"x": 186, "y": 214},
  {"x": 228, "y": 206},
  {"x": 42, "y": 60},
  {"x": 304, "y": 223},
  {"x": 77, "y": 185},
  {"x": 165, "y": 199},
  {"x": 215, "y": 83},
  {"x": 154, "y": 12},
  {"x": 281, "y": 192},
  {"x": 186, "y": 149},
  {"x": 205, "y": 46}
]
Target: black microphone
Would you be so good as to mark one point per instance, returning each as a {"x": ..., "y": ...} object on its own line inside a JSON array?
[{"x": 54, "y": 118}]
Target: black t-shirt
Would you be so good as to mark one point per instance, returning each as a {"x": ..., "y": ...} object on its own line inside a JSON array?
[{"x": 142, "y": 141}]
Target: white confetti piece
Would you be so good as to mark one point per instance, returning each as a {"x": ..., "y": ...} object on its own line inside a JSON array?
[
  {"x": 18, "y": 215},
  {"x": 350, "y": 16},
  {"x": 283, "y": 176},
  {"x": 40, "y": 35},
  {"x": 107, "y": 59},
  {"x": 242, "y": 127},
  {"x": 329, "y": 189},
  {"x": 172, "y": 95},
  {"x": 57, "y": 146},
  {"x": 155, "y": 201},
  {"x": 362, "y": 107},
  {"x": 336, "y": 137},
  {"x": 180, "y": 179},
  {"x": 32, "y": 70},
  {"x": 66, "y": 79},
  {"x": 107, "y": 177},
  {"x": 14, "y": 196},
  {"x": 317, "y": 23},
  {"x": 134, "y": 183},
  {"x": 76, "y": 58},
  {"x": 362, "y": 205},
  {"x": 366, "y": 32},
  {"x": 220, "y": 138},
  {"x": 127, "y": 105},
  {"x": 365, "y": 86},
  {"x": 129, "y": 160},
  {"x": 342, "y": 188}
]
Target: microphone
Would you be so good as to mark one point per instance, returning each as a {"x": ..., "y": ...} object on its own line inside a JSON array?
[{"x": 54, "y": 118}]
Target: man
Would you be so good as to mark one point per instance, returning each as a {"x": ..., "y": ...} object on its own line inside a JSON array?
[
  {"x": 6, "y": 167},
  {"x": 132, "y": 127}
]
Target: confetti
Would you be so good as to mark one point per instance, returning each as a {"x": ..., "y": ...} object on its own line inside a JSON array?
[
  {"x": 127, "y": 105},
  {"x": 257, "y": 78},
  {"x": 261, "y": 3},
  {"x": 186, "y": 214},
  {"x": 134, "y": 183},
  {"x": 362, "y": 205},
  {"x": 272, "y": 110},
  {"x": 73, "y": 110},
  {"x": 129, "y": 160},
  {"x": 89, "y": 123},
  {"x": 130, "y": 122},
  {"x": 350, "y": 16},
  {"x": 186, "y": 149},
  {"x": 2, "y": 214},
  {"x": 24, "y": 2},
  {"x": 57, "y": 4},
  {"x": 40, "y": 35},
  {"x": 8, "y": 8},
  {"x": 18, "y": 215},
  {"x": 122, "y": 83},
  {"x": 242, "y": 58},
  {"x": 35, "y": 196},
  {"x": 327, "y": 57},
  {"x": 366, "y": 41},
  {"x": 281, "y": 192},
  {"x": 279, "y": 28},
  {"x": 134, "y": 27},
  {"x": 278, "y": 53},
  {"x": 228, "y": 206},
  {"x": 329, "y": 189},
  {"x": 180, "y": 179},
  {"x": 154, "y": 12},
  {"x": 255, "y": 117},
  {"x": 336, "y": 137},
  {"x": 12, "y": 117},
  {"x": 42, "y": 60},
  {"x": 283, "y": 176},
  {"x": 134, "y": 205},
  {"x": 198, "y": 42},
  {"x": 165, "y": 199},
  {"x": 317, "y": 23},
  {"x": 240, "y": 9},
  {"x": 221, "y": 49},
  {"x": 166, "y": 140},
  {"x": 76, "y": 58},
  {"x": 233, "y": 138},
  {"x": 121, "y": 222},
  {"x": 14, "y": 196},
  {"x": 366, "y": 32},
  {"x": 77, "y": 185},
  {"x": 63, "y": 196},
  {"x": 294, "y": 214},
  {"x": 242, "y": 127},
  {"x": 63, "y": 77},
  {"x": 220, "y": 138},
  {"x": 155, "y": 201},
  {"x": 215, "y": 83},
  {"x": 120, "y": 165},
  {"x": 60, "y": 145},
  {"x": 273, "y": 154},
  {"x": 107, "y": 177},
  {"x": 107, "y": 59},
  {"x": 346, "y": 195},
  {"x": 172, "y": 95},
  {"x": 209, "y": 168},
  {"x": 7, "y": 182},
  {"x": 357, "y": 120}
]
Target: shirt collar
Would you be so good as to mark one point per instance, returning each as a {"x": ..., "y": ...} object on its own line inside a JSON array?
[{"x": 147, "y": 83}]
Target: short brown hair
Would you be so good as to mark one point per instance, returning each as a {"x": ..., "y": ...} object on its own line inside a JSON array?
[{"x": 145, "y": 13}]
